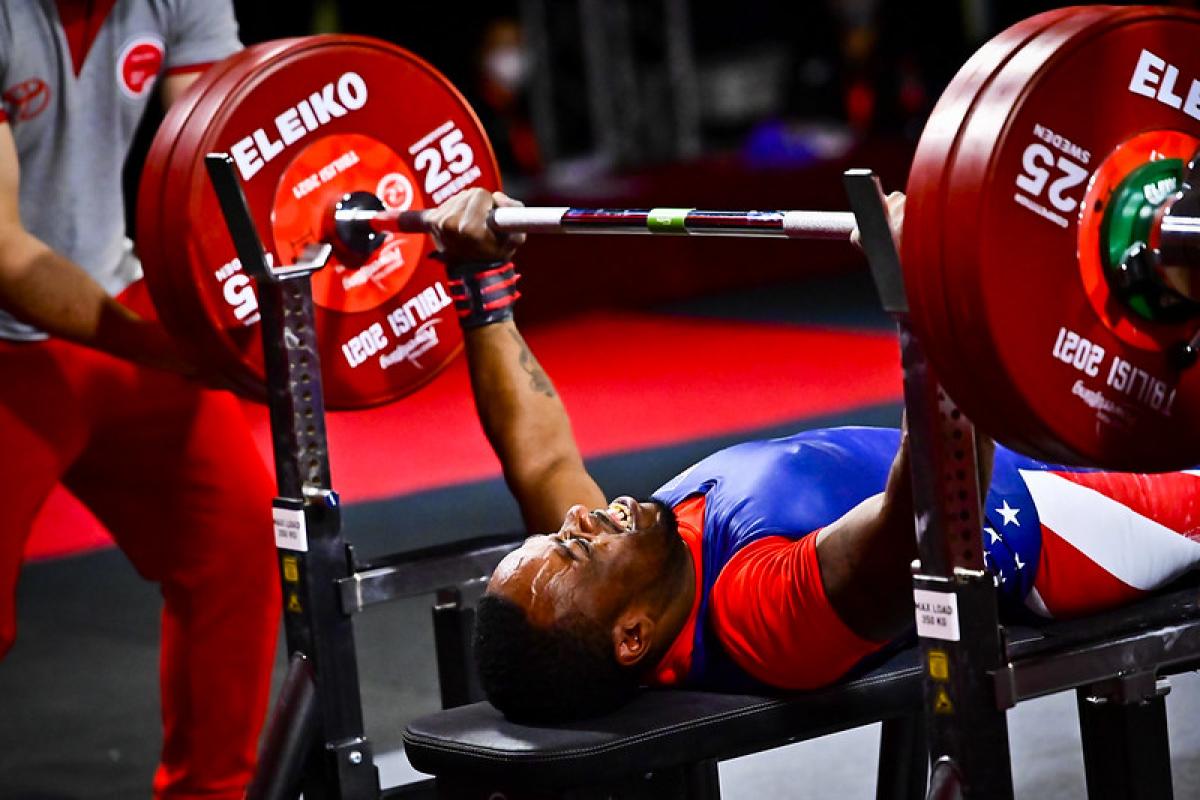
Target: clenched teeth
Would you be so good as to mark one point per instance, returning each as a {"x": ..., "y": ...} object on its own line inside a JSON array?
[{"x": 620, "y": 515}]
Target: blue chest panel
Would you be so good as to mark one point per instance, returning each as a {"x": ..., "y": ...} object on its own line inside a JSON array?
[
  {"x": 795, "y": 485},
  {"x": 789, "y": 486}
]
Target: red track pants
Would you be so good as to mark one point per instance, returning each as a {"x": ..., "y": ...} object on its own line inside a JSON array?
[{"x": 170, "y": 468}]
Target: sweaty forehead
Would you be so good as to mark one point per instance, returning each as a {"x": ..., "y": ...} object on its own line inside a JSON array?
[
  {"x": 532, "y": 550},
  {"x": 530, "y": 577},
  {"x": 528, "y": 571}
]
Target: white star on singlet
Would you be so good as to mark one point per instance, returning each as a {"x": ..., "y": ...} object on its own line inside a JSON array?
[{"x": 1009, "y": 513}]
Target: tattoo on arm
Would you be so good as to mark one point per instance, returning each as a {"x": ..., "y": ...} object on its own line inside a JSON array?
[{"x": 538, "y": 380}]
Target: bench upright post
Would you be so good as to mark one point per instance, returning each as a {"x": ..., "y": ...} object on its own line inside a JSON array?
[{"x": 954, "y": 596}]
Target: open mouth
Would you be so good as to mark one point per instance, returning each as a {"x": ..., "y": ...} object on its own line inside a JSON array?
[{"x": 618, "y": 515}]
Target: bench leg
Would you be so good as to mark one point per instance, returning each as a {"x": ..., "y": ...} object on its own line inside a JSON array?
[
  {"x": 903, "y": 759},
  {"x": 702, "y": 782},
  {"x": 1125, "y": 749},
  {"x": 453, "y": 627}
]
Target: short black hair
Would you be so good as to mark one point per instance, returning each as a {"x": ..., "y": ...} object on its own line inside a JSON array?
[{"x": 540, "y": 675}]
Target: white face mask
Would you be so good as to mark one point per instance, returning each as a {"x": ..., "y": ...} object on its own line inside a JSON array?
[{"x": 506, "y": 66}]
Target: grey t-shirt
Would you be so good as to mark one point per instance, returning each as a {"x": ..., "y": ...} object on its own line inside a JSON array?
[{"x": 73, "y": 130}]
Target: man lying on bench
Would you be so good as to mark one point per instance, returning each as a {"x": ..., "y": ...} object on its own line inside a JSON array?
[{"x": 780, "y": 563}]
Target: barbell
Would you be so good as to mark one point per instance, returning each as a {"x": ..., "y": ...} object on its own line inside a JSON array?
[
  {"x": 360, "y": 222},
  {"x": 1047, "y": 242}
]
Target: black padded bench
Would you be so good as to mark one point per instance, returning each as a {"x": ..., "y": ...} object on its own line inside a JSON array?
[{"x": 666, "y": 744}]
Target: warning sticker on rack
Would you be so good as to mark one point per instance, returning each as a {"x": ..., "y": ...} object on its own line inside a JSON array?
[
  {"x": 941, "y": 702},
  {"x": 291, "y": 569},
  {"x": 937, "y": 614},
  {"x": 939, "y": 664},
  {"x": 290, "y": 533}
]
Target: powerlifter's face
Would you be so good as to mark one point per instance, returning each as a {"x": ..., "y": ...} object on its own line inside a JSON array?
[{"x": 597, "y": 564}]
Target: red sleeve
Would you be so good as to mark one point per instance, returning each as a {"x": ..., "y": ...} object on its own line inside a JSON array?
[{"x": 770, "y": 612}]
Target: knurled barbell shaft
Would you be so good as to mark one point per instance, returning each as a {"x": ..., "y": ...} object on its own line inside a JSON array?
[{"x": 834, "y": 225}]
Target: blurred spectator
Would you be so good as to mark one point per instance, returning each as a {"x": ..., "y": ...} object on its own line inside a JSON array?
[
  {"x": 917, "y": 55},
  {"x": 479, "y": 48},
  {"x": 853, "y": 69},
  {"x": 502, "y": 80}
]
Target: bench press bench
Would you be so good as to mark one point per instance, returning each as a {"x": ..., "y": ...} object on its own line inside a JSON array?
[{"x": 666, "y": 743}]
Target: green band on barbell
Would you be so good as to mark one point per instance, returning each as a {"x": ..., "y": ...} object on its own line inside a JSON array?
[{"x": 667, "y": 220}]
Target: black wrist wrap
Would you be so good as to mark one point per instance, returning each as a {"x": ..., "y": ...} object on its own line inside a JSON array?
[{"x": 483, "y": 292}]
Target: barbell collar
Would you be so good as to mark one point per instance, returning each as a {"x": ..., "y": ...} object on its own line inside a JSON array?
[
  {"x": 1179, "y": 240},
  {"x": 1179, "y": 222}
]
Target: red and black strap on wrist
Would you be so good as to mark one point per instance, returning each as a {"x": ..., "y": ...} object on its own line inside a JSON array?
[{"x": 483, "y": 292}]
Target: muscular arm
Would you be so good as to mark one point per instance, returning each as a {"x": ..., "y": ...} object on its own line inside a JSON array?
[
  {"x": 521, "y": 413},
  {"x": 528, "y": 428},
  {"x": 51, "y": 292},
  {"x": 864, "y": 558}
]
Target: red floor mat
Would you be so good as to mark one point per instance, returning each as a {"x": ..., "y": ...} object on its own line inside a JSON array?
[{"x": 630, "y": 381}]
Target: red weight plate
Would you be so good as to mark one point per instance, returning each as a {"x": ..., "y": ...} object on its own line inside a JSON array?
[
  {"x": 1038, "y": 367},
  {"x": 925, "y": 212},
  {"x": 159, "y": 220},
  {"x": 943, "y": 216},
  {"x": 946, "y": 215},
  {"x": 319, "y": 117},
  {"x": 150, "y": 206},
  {"x": 924, "y": 221},
  {"x": 1038, "y": 431},
  {"x": 211, "y": 344}
]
